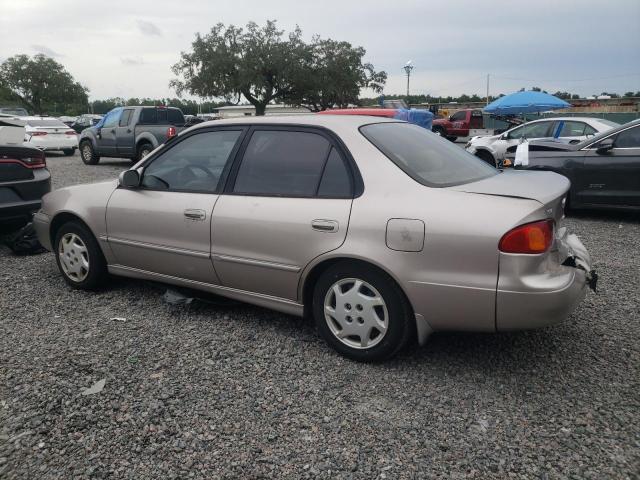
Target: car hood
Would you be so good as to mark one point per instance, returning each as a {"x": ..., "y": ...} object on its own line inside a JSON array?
[
  {"x": 543, "y": 187},
  {"x": 484, "y": 140}
]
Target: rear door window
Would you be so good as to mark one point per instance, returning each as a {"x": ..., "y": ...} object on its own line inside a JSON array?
[
  {"x": 282, "y": 163},
  {"x": 425, "y": 157},
  {"x": 149, "y": 116},
  {"x": 570, "y": 128}
]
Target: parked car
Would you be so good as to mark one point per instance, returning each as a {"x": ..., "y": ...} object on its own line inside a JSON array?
[
  {"x": 14, "y": 111},
  {"x": 459, "y": 124},
  {"x": 376, "y": 228},
  {"x": 49, "y": 134},
  {"x": 85, "y": 121},
  {"x": 24, "y": 179},
  {"x": 604, "y": 170},
  {"x": 67, "y": 120},
  {"x": 417, "y": 116},
  {"x": 492, "y": 149},
  {"x": 130, "y": 132}
]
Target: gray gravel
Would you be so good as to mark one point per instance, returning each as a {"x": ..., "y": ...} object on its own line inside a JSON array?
[{"x": 206, "y": 391}]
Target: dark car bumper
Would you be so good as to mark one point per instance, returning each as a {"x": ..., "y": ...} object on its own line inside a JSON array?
[{"x": 20, "y": 199}]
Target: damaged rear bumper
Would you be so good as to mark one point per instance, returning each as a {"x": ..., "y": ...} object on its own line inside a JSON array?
[{"x": 535, "y": 291}]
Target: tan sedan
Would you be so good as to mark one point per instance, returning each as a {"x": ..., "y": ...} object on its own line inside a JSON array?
[{"x": 379, "y": 229}]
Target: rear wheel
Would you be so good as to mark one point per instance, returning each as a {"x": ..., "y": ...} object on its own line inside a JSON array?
[
  {"x": 361, "y": 312},
  {"x": 88, "y": 154},
  {"x": 486, "y": 157},
  {"x": 144, "y": 149},
  {"x": 69, "y": 151},
  {"x": 79, "y": 257}
]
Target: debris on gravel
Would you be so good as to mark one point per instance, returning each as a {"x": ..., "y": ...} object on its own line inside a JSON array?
[{"x": 227, "y": 391}]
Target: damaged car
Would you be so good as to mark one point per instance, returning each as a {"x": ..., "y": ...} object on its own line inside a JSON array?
[{"x": 376, "y": 228}]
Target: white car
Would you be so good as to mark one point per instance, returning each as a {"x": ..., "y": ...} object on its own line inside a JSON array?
[
  {"x": 492, "y": 149},
  {"x": 48, "y": 134}
]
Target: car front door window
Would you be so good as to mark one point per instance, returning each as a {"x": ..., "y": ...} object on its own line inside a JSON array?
[{"x": 193, "y": 165}]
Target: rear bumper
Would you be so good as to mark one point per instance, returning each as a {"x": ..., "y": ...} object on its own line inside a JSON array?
[
  {"x": 19, "y": 199},
  {"x": 52, "y": 144},
  {"x": 549, "y": 293}
]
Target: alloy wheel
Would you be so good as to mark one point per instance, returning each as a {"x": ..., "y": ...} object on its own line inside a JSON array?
[
  {"x": 356, "y": 313},
  {"x": 74, "y": 257},
  {"x": 86, "y": 153}
]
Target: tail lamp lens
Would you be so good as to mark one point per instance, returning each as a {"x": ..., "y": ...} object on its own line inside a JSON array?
[
  {"x": 171, "y": 132},
  {"x": 530, "y": 238},
  {"x": 38, "y": 134},
  {"x": 70, "y": 132}
]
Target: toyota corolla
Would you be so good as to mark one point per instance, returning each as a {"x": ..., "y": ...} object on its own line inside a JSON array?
[{"x": 378, "y": 229}]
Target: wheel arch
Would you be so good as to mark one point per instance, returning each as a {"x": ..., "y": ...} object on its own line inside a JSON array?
[
  {"x": 64, "y": 217},
  {"x": 313, "y": 273}
]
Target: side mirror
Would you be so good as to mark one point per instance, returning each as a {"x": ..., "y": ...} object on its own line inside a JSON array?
[
  {"x": 129, "y": 179},
  {"x": 605, "y": 146}
]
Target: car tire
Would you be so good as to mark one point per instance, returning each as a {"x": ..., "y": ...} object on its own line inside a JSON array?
[
  {"x": 79, "y": 257},
  {"x": 371, "y": 307},
  {"x": 88, "y": 153},
  {"x": 452, "y": 139},
  {"x": 486, "y": 157},
  {"x": 439, "y": 131},
  {"x": 69, "y": 151},
  {"x": 144, "y": 149}
]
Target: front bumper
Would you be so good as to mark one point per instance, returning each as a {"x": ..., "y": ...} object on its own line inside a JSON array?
[
  {"x": 41, "y": 224},
  {"x": 534, "y": 294}
]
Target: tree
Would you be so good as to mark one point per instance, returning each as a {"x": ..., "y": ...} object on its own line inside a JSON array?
[
  {"x": 229, "y": 62},
  {"x": 332, "y": 74},
  {"x": 41, "y": 83}
]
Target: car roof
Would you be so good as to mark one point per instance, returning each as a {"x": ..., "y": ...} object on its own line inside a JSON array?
[{"x": 311, "y": 119}]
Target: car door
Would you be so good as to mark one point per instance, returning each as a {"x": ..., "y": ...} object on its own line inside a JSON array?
[
  {"x": 125, "y": 134},
  {"x": 107, "y": 135},
  {"x": 536, "y": 129},
  {"x": 164, "y": 226},
  {"x": 288, "y": 201},
  {"x": 613, "y": 177}
]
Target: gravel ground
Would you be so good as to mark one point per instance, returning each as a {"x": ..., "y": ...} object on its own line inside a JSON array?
[{"x": 206, "y": 391}]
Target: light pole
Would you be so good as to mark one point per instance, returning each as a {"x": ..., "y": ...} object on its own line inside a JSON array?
[{"x": 407, "y": 68}]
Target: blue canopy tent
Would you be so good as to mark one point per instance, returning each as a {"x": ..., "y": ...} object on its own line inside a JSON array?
[{"x": 525, "y": 102}]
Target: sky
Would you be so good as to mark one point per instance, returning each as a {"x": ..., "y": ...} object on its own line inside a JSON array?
[{"x": 126, "y": 48}]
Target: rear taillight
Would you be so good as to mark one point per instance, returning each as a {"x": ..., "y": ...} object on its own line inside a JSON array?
[
  {"x": 37, "y": 134},
  {"x": 70, "y": 132},
  {"x": 530, "y": 238},
  {"x": 171, "y": 132},
  {"x": 35, "y": 161}
]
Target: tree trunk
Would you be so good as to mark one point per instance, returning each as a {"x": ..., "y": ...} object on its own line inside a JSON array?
[{"x": 260, "y": 109}]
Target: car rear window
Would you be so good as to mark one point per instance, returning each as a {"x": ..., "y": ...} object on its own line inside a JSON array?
[
  {"x": 425, "y": 157},
  {"x": 45, "y": 123}
]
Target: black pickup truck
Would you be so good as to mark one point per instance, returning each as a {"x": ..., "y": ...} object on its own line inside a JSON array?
[{"x": 129, "y": 132}]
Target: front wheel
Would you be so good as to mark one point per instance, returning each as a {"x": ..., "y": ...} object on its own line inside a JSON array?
[
  {"x": 361, "y": 312},
  {"x": 79, "y": 257},
  {"x": 486, "y": 157},
  {"x": 88, "y": 154}
]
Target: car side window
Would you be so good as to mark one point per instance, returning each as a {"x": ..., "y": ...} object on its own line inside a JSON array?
[
  {"x": 282, "y": 163},
  {"x": 125, "y": 118},
  {"x": 572, "y": 129},
  {"x": 629, "y": 138},
  {"x": 194, "y": 164},
  {"x": 533, "y": 130},
  {"x": 336, "y": 181},
  {"x": 458, "y": 116},
  {"x": 112, "y": 119},
  {"x": 589, "y": 130},
  {"x": 148, "y": 116}
]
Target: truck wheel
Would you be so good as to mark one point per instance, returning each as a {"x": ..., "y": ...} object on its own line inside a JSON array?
[
  {"x": 439, "y": 131},
  {"x": 452, "y": 139},
  {"x": 88, "y": 154},
  {"x": 144, "y": 149},
  {"x": 69, "y": 151},
  {"x": 486, "y": 157}
]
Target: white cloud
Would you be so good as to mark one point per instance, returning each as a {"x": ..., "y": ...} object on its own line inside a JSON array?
[
  {"x": 148, "y": 28},
  {"x": 46, "y": 51}
]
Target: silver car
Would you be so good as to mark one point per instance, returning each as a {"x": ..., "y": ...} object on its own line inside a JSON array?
[
  {"x": 492, "y": 149},
  {"x": 378, "y": 229}
]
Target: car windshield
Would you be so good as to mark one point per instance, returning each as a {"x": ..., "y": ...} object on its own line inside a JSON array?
[
  {"x": 21, "y": 112},
  {"x": 425, "y": 157},
  {"x": 45, "y": 123}
]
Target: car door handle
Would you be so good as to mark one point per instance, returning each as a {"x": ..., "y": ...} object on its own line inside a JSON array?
[
  {"x": 195, "y": 214},
  {"x": 325, "y": 225}
]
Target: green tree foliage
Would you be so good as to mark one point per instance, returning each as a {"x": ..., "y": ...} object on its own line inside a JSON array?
[
  {"x": 332, "y": 73},
  {"x": 264, "y": 65},
  {"x": 41, "y": 84}
]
